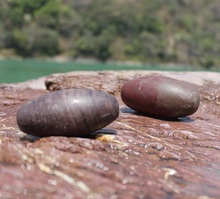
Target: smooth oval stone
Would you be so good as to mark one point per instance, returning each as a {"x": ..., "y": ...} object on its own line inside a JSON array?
[
  {"x": 161, "y": 96},
  {"x": 71, "y": 112}
]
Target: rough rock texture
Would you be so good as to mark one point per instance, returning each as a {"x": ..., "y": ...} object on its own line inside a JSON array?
[{"x": 149, "y": 158}]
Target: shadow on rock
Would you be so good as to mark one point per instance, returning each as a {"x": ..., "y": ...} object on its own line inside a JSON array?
[
  {"x": 178, "y": 119},
  {"x": 30, "y": 138},
  {"x": 105, "y": 131}
]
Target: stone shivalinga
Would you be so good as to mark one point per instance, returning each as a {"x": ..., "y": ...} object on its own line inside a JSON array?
[
  {"x": 81, "y": 112},
  {"x": 161, "y": 96},
  {"x": 70, "y": 112}
]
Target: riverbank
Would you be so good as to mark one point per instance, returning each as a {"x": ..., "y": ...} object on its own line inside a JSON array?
[{"x": 18, "y": 70}]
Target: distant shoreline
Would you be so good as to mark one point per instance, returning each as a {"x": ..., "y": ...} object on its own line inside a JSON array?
[{"x": 80, "y": 60}]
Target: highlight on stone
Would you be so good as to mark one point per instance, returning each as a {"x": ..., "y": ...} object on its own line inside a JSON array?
[
  {"x": 161, "y": 96},
  {"x": 69, "y": 112}
]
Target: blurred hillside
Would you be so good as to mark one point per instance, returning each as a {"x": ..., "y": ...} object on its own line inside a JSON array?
[{"x": 149, "y": 31}]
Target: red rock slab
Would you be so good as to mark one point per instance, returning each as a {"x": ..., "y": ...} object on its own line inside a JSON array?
[{"x": 148, "y": 158}]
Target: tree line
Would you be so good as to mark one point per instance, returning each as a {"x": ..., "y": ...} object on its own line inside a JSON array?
[{"x": 158, "y": 31}]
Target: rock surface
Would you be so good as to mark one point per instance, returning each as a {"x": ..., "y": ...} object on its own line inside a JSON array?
[{"x": 148, "y": 158}]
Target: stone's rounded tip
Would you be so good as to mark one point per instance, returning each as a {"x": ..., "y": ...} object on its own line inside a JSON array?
[
  {"x": 70, "y": 112},
  {"x": 161, "y": 96}
]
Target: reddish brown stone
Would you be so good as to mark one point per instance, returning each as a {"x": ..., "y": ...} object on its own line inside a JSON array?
[{"x": 161, "y": 96}]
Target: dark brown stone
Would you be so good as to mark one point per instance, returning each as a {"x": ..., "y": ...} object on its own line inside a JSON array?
[
  {"x": 161, "y": 96},
  {"x": 68, "y": 112},
  {"x": 148, "y": 158}
]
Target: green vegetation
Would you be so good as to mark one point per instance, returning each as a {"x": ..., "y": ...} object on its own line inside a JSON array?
[{"x": 184, "y": 32}]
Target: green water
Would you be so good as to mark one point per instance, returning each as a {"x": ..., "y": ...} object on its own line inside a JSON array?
[{"x": 21, "y": 70}]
